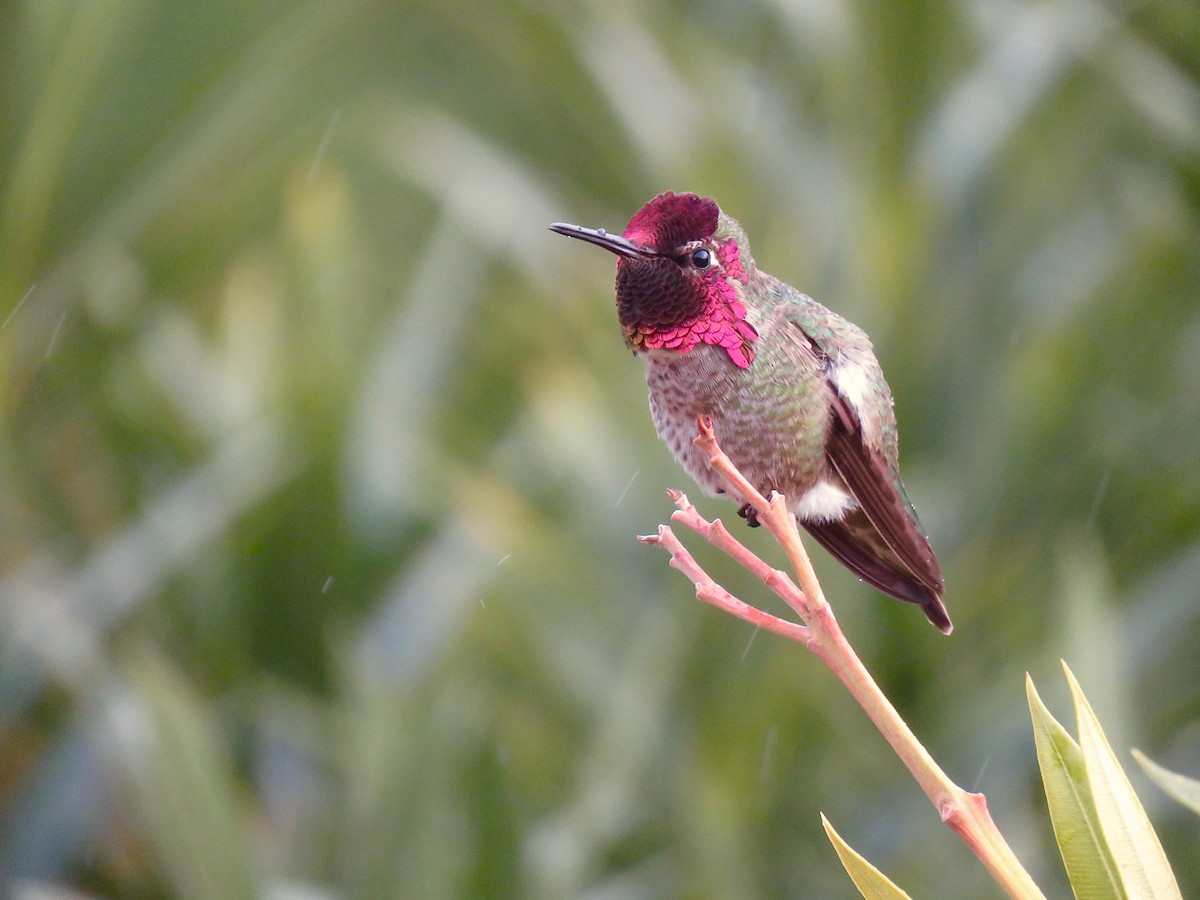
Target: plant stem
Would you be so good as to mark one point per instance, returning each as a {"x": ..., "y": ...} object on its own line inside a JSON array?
[{"x": 965, "y": 812}]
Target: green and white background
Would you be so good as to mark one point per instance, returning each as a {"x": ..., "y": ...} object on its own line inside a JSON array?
[{"x": 321, "y": 458}]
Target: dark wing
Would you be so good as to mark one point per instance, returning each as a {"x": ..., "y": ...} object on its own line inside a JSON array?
[{"x": 881, "y": 540}]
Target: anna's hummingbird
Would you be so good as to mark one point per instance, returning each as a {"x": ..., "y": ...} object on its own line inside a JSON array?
[{"x": 797, "y": 399}]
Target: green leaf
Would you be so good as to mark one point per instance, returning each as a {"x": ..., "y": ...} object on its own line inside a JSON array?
[
  {"x": 1135, "y": 848},
  {"x": 1090, "y": 867},
  {"x": 871, "y": 883},
  {"x": 1185, "y": 790},
  {"x": 182, "y": 782}
]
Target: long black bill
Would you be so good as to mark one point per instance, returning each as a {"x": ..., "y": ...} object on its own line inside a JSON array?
[{"x": 613, "y": 243}]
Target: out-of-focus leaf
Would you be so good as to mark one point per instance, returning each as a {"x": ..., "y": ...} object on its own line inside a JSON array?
[
  {"x": 871, "y": 883},
  {"x": 1131, "y": 839},
  {"x": 182, "y": 781},
  {"x": 1089, "y": 865},
  {"x": 1185, "y": 790},
  {"x": 28, "y": 889}
]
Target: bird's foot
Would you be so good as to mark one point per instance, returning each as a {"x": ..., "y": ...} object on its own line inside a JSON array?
[{"x": 750, "y": 514}]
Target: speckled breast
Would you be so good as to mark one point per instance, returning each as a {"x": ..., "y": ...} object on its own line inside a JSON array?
[{"x": 771, "y": 418}]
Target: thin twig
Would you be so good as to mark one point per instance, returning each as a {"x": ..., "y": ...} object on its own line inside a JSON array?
[
  {"x": 718, "y": 535},
  {"x": 712, "y": 593},
  {"x": 772, "y": 513}
]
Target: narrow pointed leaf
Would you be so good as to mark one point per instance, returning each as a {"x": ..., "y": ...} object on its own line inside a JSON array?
[
  {"x": 871, "y": 883},
  {"x": 1185, "y": 790},
  {"x": 1135, "y": 848},
  {"x": 1090, "y": 867},
  {"x": 182, "y": 782}
]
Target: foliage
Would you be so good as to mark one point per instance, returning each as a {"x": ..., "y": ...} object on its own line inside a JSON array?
[
  {"x": 1092, "y": 803},
  {"x": 321, "y": 453},
  {"x": 871, "y": 883},
  {"x": 1185, "y": 790}
]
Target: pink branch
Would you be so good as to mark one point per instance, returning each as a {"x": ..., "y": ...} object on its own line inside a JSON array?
[
  {"x": 712, "y": 593},
  {"x": 966, "y": 813}
]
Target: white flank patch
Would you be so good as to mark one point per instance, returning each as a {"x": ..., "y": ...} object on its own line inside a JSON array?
[
  {"x": 823, "y": 502},
  {"x": 850, "y": 379}
]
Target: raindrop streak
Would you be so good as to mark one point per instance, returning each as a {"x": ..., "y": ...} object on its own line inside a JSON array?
[
  {"x": 750, "y": 643},
  {"x": 54, "y": 337},
  {"x": 323, "y": 147},
  {"x": 1101, "y": 489},
  {"x": 20, "y": 303},
  {"x": 979, "y": 777},
  {"x": 505, "y": 558},
  {"x": 768, "y": 754},
  {"x": 327, "y": 585},
  {"x": 628, "y": 485}
]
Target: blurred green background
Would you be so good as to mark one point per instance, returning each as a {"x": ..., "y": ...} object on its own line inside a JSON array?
[{"x": 322, "y": 458}]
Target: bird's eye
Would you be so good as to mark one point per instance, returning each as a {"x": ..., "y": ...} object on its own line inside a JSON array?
[{"x": 701, "y": 258}]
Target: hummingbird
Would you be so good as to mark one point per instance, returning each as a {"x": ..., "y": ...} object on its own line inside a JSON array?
[{"x": 796, "y": 396}]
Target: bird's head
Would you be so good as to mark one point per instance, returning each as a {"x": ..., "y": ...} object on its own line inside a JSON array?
[{"x": 682, "y": 265}]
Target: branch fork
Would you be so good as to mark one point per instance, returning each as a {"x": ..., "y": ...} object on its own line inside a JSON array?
[{"x": 966, "y": 813}]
